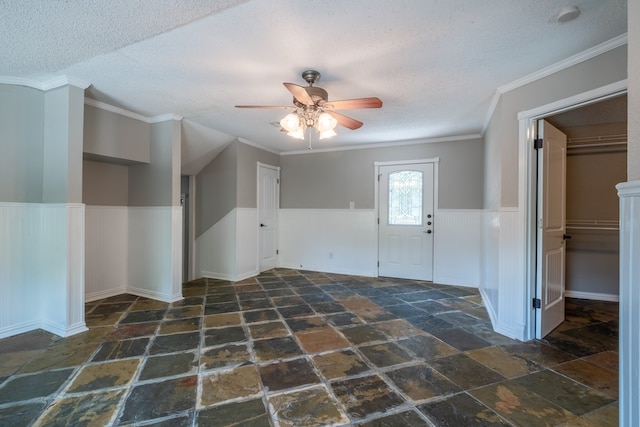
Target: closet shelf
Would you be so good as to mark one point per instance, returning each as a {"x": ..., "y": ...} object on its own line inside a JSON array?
[{"x": 593, "y": 224}]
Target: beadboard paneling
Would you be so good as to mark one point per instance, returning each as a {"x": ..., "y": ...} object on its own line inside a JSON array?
[
  {"x": 457, "y": 246},
  {"x": 330, "y": 240},
  {"x": 106, "y": 251}
]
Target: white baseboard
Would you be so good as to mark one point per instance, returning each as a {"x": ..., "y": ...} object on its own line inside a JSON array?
[
  {"x": 228, "y": 277},
  {"x": 146, "y": 293},
  {"x": 94, "y": 296},
  {"x": 592, "y": 295},
  {"x": 18, "y": 329}
]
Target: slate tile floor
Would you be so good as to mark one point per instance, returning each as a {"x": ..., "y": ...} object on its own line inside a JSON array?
[{"x": 298, "y": 348}]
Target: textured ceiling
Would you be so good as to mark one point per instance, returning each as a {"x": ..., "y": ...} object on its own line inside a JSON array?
[{"x": 436, "y": 64}]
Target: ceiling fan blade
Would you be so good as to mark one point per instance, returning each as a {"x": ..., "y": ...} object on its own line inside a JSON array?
[
  {"x": 299, "y": 93},
  {"x": 345, "y": 121},
  {"x": 353, "y": 104},
  {"x": 273, "y": 107}
]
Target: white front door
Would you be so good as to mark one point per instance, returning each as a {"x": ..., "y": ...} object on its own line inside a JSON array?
[
  {"x": 552, "y": 161},
  {"x": 406, "y": 223},
  {"x": 268, "y": 202}
]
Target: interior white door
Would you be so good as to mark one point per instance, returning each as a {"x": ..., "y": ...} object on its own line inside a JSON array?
[
  {"x": 552, "y": 161},
  {"x": 405, "y": 230},
  {"x": 268, "y": 202}
]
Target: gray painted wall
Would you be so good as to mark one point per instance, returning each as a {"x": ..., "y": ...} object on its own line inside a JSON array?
[
  {"x": 330, "y": 180},
  {"x": 115, "y": 136},
  {"x": 216, "y": 189},
  {"x": 158, "y": 183},
  {"x": 105, "y": 184},
  {"x": 501, "y": 137},
  {"x": 21, "y": 144},
  {"x": 248, "y": 158}
]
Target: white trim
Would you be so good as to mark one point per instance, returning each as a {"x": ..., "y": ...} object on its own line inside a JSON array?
[
  {"x": 277, "y": 219},
  {"x": 165, "y": 118},
  {"x": 117, "y": 110},
  {"x": 376, "y": 202},
  {"x": 592, "y": 295},
  {"x": 46, "y": 85},
  {"x": 527, "y": 182},
  {"x": 258, "y": 146},
  {"x": 605, "y": 47},
  {"x": 95, "y": 296},
  {"x": 386, "y": 144}
]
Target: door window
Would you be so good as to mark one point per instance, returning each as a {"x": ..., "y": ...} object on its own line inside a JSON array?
[{"x": 405, "y": 198}]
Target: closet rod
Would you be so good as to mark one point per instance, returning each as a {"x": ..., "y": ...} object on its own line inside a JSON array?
[{"x": 598, "y": 144}]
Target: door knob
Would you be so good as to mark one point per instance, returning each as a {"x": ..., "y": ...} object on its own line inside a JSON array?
[
  {"x": 428, "y": 231},
  {"x": 262, "y": 225}
]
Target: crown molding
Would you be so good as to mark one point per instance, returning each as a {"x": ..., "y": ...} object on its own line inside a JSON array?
[
  {"x": 258, "y": 146},
  {"x": 165, "y": 118},
  {"x": 45, "y": 85},
  {"x": 615, "y": 42},
  {"x": 116, "y": 110},
  {"x": 386, "y": 144}
]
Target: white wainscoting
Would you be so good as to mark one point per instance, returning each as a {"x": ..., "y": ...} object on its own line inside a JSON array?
[
  {"x": 229, "y": 249},
  {"x": 106, "y": 251},
  {"x": 342, "y": 241},
  {"x": 629, "y": 193},
  {"x": 155, "y": 256},
  {"x": 246, "y": 243},
  {"x": 41, "y": 268},
  {"x": 503, "y": 277},
  {"x": 457, "y": 246},
  {"x": 216, "y": 250}
]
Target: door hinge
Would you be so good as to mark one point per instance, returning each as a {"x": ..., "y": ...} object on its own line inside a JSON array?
[
  {"x": 277, "y": 252},
  {"x": 278, "y": 181},
  {"x": 378, "y": 263},
  {"x": 536, "y": 303},
  {"x": 378, "y": 221},
  {"x": 379, "y": 175},
  {"x": 537, "y": 143}
]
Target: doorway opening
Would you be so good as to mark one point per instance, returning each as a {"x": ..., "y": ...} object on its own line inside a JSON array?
[{"x": 596, "y": 160}]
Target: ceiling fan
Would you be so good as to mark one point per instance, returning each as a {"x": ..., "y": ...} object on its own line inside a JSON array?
[{"x": 314, "y": 110}]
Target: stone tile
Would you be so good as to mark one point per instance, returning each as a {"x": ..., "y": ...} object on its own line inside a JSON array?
[
  {"x": 179, "y": 325},
  {"x": 28, "y": 341},
  {"x": 218, "y": 320},
  {"x": 268, "y": 330},
  {"x": 344, "y": 319},
  {"x": 134, "y": 330},
  {"x": 10, "y": 363},
  {"x": 224, "y": 335},
  {"x": 465, "y": 372},
  {"x": 367, "y": 310},
  {"x": 607, "y": 360},
  {"x": 149, "y": 304},
  {"x": 366, "y": 395},
  {"x": 85, "y": 410},
  {"x": 310, "y": 407},
  {"x": 112, "y": 350},
  {"x": 159, "y": 399},
  {"x": 321, "y": 339},
  {"x": 306, "y": 323},
  {"x": 169, "y": 365},
  {"x": 253, "y": 304},
  {"x": 460, "y": 339},
  {"x": 190, "y": 301},
  {"x": 21, "y": 415},
  {"x": 220, "y": 357},
  {"x": 61, "y": 354},
  {"x": 402, "y": 419},
  {"x": 260, "y": 316},
  {"x": 327, "y": 307},
  {"x": 104, "y": 375},
  {"x": 92, "y": 320},
  {"x": 224, "y": 307},
  {"x": 247, "y": 413},
  {"x": 241, "y": 382},
  {"x": 539, "y": 352},
  {"x": 340, "y": 364},
  {"x": 600, "y": 379},
  {"x": 564, "y": 392},
  {"x": 505, "y": 363},
  {"x": 111, "y": 308},
  {"x": 184, "y": 312},
  {"x": 399, "y": 328},
  {"x": 175, "y": 342},
  {"x": 603, "y": 417},
  {"x": 430, "y": 323},
  {"x": 143, "y": 316},
  {"x": 363, "y": 333},
  {"x": 40, "y": 384},
  {"x": 296, "y": 311},
  {"x": 387, "y": 354},
  {"x": 287, "y": 374},
  {"x": 462, "y": 410},
  {"x": 427, "y": 347},
  {"x": 287, "y": 301},
  {"x": 485, "y": 331},
  {"x": 523, "y": 407},
  {"x": 421, "y": 382},
  {"x": 276, "y": 348},
  {"x": 459, "y": 319}
]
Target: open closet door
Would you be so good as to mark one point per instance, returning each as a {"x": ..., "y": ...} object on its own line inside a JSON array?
[{"x": 552, "y": 161}]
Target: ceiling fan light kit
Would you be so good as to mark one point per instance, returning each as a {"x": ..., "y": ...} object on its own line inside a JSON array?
[{"x": 313, "y": 110}]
